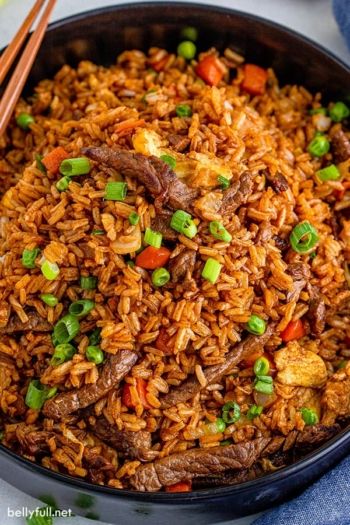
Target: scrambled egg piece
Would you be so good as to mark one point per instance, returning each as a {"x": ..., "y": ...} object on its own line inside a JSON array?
[
  {"x": 299, "y": 367},
  {"x": 199, "y": 169},
  {"x": 147, "y": 142}
]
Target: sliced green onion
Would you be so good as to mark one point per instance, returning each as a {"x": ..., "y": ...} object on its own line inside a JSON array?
[
  {"x": 256, "y": 325},
  {"x": 74, "y": 167},
  {"x": 225, "y": 443},
  {"x": 264, "y": 384},
  {"x": 331, "y": 172},
  {"x": 231, "y": 412},
  {"x": 66, "y": 329},
  {"x": 24, "y": 120},
  {"x": 187, "y": 49},
  {"x": 318, "y": 111},
  {"x": 81, "y": 308},
  {"x": 264, "y": 379},
  {"x": 218, "y": 231},
  {"x": 183, "y": 110},
  {"x": 50, "y": 270},
  {"x": 341, "y": 364},
  {"x": 319, "y": 146},
  {"x": 39, "y": 163},
  {"x": 153, "y": 238},
  {"x": 211, "y": 270},
  {"x": 49, "y": 299},
  {"x": 130, "y": 263},
  {"x": 88, "y": 283},
  {"x": 29, "y": 256},
  {"x": 224, "y": 182},
  {"x": 189, "y": 33},
  {"x": 339, "y": 111},
  {"x": 37, "y": 394},
  {"x": 95, "y": 337},
  {"x": 116, "y": 191},
  {"x": 134, "y": 218},
  {"x": 215, "y": 427},
  {"x": 51, "y": 392},
  {"x": 63, "y": 352},
  {"x": 182, "y": 222},
  {"x": 254, "y": 411},
  {"x": 309, "y": 416},
  {"x": 168, "y": 160},
  {"x": 40, "y": 516},
  {"x": 54, "y": 340},
  {"x": 84, "y": 501},
  {"x": 160, "y": 277},
  {"x": 261, "y": 366},
  {"x": 303, "y": 237},
  {"x": 94, "y": 354},
  {"x": 98, "y": 232},
  {"x": 63, "y": 183}
]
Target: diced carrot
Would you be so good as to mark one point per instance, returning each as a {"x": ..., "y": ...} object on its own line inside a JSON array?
[
  {"x": 250, "y": 360},
  {"x": 182, "y": 486},
  {"x": 126, "y": 397},
  {"x": 255, "y": 78},
  {"x": 339, "y": 194},
  {"x": 294, "y": 330},
  {"x": 151, "y": 258},
  {"x": 53, "y": 159},
  {"x": 125, "y": 127},
  {"x": 141, "y": 387},
  {"x": 158, "y": 66},
  {"x": 210, "y": 69},
  {"x": 162, "y": 342}
]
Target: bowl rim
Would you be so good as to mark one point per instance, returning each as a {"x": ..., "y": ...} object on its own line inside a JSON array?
[{"x": 342, "y": 438}]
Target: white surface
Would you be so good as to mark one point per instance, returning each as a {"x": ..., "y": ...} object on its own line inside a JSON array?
[{"x": 311, "y": 17}]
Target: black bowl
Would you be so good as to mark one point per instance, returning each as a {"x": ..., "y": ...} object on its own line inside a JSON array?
[{"x": 99, "y": 36}]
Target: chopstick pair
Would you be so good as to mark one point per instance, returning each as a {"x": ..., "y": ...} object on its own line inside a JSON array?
[{"x": 14, "y": 88}]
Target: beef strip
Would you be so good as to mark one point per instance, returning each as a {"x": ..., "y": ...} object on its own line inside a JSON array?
[
  {"x": 112, "y": 373},
  {"x": 161, "y": 223},
  {"x": 300, "y": 273},
  {"x": 182, "y": 265},
  {"x": 34, "y": 441},
  {"x": 135, "y": 445},
  {"x": 280, "y": 451},
  {"x": 191, "y": 386},
  {"x": 317, "y": 315},
  {"x": 237, "y": 194},
  {"x": 315, "y": 435},
  {"x": 178, "y": 142},
  {"x": 35, "y": 323},
  {"x": 278, "y": 183},
  {"x": 157, "y": 177},
  {"x": 196, "y": 463},
  {"x": 340, "y": 146},
  {"x": 228, "y": 478},
  {"x": 98, "y": 466},
  {"x": 280, "y": 243}
]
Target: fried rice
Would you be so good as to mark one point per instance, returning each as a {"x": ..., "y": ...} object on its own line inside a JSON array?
[{"x": 173, "y": 401}]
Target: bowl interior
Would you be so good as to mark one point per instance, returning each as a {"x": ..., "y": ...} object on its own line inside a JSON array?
[{"x": 100, "y": 35}]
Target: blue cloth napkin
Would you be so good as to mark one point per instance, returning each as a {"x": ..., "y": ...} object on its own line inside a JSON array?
[
  {"x": 326, "y": 502},
  {"x": 341, "y": 10}
]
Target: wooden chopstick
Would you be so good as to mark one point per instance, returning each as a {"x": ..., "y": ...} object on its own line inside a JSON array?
[
  {"x": 20, "y": 74},
  {"x": 10, "y": 53}
]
